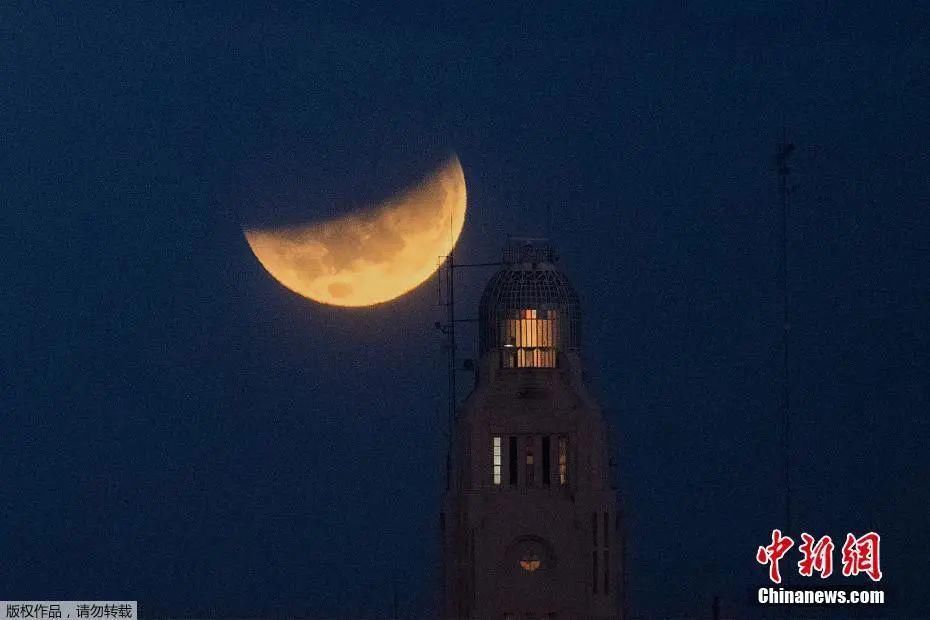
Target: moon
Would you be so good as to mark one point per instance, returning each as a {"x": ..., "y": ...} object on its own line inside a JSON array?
[{"x": 373, "y": 255}]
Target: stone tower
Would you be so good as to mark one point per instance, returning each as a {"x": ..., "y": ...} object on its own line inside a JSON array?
[{"x": 529, "y": 520}]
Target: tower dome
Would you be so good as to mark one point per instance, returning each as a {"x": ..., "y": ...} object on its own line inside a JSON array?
[{"x": 529, "y": 311}]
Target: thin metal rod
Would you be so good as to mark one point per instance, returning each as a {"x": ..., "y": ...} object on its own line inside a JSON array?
[
  {"x": 451, "y": 335},
  {"x": 451, "y": 326}
]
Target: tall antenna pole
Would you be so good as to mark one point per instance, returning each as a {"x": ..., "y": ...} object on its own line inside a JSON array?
[
  {"x": 450, "y": 281},
  {"x": 450, "y": 333},
  {"x": 783, "y": 153}
]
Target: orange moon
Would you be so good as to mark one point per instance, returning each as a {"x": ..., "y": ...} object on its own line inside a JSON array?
[{"x": 373, "y": 255}]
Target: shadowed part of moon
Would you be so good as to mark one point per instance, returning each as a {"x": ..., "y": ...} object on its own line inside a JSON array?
[{"x": 371, "y": 256}]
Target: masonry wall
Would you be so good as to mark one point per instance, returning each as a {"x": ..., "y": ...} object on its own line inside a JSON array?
[{"x": 490, "y": 528}]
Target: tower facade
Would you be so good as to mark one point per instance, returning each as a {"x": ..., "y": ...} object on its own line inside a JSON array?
[{"x": 529, "y": 520}]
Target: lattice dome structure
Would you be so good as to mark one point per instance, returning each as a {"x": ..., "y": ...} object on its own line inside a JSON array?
[{"x": 529, "y": 311}]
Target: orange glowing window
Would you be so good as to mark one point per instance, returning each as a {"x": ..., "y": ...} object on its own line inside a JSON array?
[
  {"x": 530, "y": 339},
  {"x": 530, "y": 562}
]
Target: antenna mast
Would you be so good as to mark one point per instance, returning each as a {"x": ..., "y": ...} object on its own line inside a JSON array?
[
  {"x": 448, "y": 330},
  {"x": 450, "y": 281},
  {"x": 783, "y": 153}
]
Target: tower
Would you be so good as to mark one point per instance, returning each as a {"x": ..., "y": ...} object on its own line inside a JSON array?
[{"x": 529, "y": 518}]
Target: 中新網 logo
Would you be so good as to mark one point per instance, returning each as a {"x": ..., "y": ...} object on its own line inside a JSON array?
[{"x": 859, "y": 555}]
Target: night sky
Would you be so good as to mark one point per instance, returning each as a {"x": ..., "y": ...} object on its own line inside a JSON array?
[{"x": 178, "y": 428}]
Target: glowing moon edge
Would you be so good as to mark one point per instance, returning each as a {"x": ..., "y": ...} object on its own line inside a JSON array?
[{"x": 373, "y": 255}]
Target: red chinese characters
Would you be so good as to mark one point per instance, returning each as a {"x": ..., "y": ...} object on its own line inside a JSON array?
[
  {"x": 861, "y": 555},
  {"x": 817, "y": 557},
  {"x": 773, "y": 553}
]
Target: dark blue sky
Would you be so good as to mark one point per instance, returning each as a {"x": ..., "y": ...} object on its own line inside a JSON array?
[{"x": 178, "y": 428}]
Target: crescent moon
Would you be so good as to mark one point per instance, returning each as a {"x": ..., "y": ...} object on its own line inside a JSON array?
[{"x": 370, "y": 256}]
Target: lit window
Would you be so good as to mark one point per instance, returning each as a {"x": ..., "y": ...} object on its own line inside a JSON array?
[
  {"x": 563, "y": 460},
  {"x": 530, "y": 562},
  {"x": 496, "y": 459},
  {"x": 530, "y": 339}
]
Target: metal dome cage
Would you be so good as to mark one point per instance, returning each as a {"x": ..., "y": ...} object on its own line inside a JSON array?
[{"x": 529, "y": 311}]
